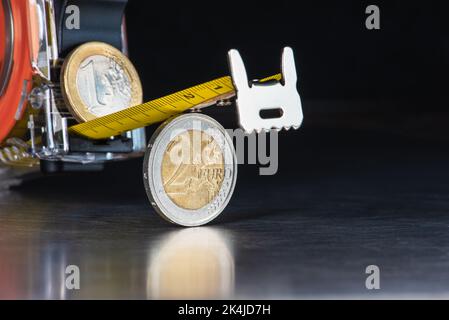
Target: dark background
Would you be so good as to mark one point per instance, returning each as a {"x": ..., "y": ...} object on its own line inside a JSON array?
[
  {"x": 393, "y": 79},
  {"x": 182, "y": 43}
]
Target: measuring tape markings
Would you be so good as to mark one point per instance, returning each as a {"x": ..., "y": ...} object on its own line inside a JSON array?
[
  {"x": 157, "y": 110},
  {"x": 152, "y": 112}
]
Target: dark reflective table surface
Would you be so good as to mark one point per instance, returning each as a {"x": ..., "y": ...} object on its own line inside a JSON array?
[{"x": 342, "y": 200}]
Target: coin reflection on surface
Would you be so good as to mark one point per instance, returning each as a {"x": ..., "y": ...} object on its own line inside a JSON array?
[{"x": 191, "y": 264}]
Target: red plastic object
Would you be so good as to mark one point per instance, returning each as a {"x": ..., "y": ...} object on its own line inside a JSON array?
[{"x": 21, "y": 69}]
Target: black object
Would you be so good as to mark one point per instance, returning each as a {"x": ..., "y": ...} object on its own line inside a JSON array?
[
  {"x": 78, "y": 144},
  {"x": 100, "y": 20},
  {"x": 51, "y": 167},
  {"x": 81, "y": 145}
]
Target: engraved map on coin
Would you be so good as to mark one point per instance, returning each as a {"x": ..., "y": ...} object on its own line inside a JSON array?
[
  {"x": 194, "y": 180},
  {"x": 103, "y": 85}
]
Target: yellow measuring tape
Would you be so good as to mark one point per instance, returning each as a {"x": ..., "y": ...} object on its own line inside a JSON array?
[
  {"x": 138, "y": 116},
  {"x": 159, "y": 109}
]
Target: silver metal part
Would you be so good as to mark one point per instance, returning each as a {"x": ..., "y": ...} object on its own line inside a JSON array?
[
  {"x": 41, "y": 62},
  {"x": 56, "y": 146},
  {"x": 139, "y": 140},
  {"x": 22, "y": 102},
  {"x": 124, "y": 37},
  {"x": 159, "y": 198},
  {"x": 224, "y": 103},
  {"x": 65, "y": 136},
  {"x": 37, "y": 98},
  {"x": 31, "y": 126},
  {"x": 266, "y": 106},
  {"x": 52, "y": 40},
  {"x": 50, "y": 132}
]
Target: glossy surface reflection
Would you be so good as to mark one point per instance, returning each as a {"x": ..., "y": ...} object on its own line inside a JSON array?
[
  {"x": 186, "y": 263},
  {"x": 191, "y": 264},
  {"x": 308, "y": 232}
]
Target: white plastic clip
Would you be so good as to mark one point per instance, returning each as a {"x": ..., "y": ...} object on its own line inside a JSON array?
[{"x": 271, "y": 105}]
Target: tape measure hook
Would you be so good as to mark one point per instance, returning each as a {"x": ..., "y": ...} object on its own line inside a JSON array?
[{"x": 263, "y": 106}]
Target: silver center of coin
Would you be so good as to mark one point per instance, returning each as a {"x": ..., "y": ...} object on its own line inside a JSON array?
[{"x": 103, "y": 85}]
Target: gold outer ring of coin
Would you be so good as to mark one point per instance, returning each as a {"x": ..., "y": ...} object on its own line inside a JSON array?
[{"x": 69, "y": 72}]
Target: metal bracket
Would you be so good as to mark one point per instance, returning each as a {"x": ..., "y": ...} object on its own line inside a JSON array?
[{"x": 263, "y": 106}]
